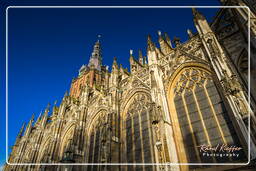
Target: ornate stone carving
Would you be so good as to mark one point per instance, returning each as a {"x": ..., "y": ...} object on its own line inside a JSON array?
[
  {"x": 190, "y": 78},
  {"x": 230, "y": 85}
]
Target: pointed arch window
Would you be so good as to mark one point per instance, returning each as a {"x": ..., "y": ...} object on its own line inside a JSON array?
[
  {"x": 202, "y": 116},
  {"x": 137, "y": 132},
  {"x": 95, "y": 142}
]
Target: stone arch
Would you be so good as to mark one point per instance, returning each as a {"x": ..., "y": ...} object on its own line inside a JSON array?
[
  {"x": 242, "y": 63},
  {"x": 198, "y": 114},
  {"x": 27, "y": 156},
  {"x": 136, "y": 133},
  {"x": 129, "y": 96},
  {"x": 66, "y": 138},
  {"x": 43, "y": 149},
  {"x": 174, "y": 75},
  {"x": 96, "y": 134},
  {"x": 94, "y": 117}
]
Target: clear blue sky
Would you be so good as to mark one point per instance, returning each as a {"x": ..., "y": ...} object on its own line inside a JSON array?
[{"x": 48, "y": 46}]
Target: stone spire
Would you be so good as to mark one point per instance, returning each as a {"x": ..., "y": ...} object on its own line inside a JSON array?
[
  {"x": 168, "y": 40},
  {"x": 151, "y": 45},
  {"x": 197, "y": 14},
  {"x": 96, "y": 57},
  {"x": 176, "y": 41},
  {"x": 21, "y": 130},
  {"x": 45, "y": 115},
  {"x": 141, "y": 57},
  {"x": 190, "y": 34},
  {"x": 165, "y": 47},
  {"x": 20, "y": 133},
  {"x": 114, "y": 65},
  {"x": 39, "y": 117},
  {"x": 29, "y": 126}
]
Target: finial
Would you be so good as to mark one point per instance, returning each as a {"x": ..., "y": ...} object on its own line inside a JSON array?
[
  {"x": 32, "y": 117},
  {"x": 114, "y": 65},
  {"x": 141, "y": 57},
  {"x": 131, "y": 52},
  {"x": 99, "y": 36},
  {"x": 66, "y": 93},
  {"x": 190, "y": 34},
  {"x": 121, "y": 67},
  {"x": 168, "y": 40},
  {"x": 149, "y": 38},
  {"x": 40, "y": 114},
  {"x": 176, "y": 41},
  {"x": 140, "y": 53},
  {"x": 159, "y": 33},
  {"x": 151, "y": 45},
  {"x": 145, "y": 60},
  {"x": 21, "y": 130},
  {"x": 48, "y": 106},
  {"x": 197, "y": 14}
]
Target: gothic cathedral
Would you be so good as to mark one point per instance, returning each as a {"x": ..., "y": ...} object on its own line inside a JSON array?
[{"x": 181, "y": 103}]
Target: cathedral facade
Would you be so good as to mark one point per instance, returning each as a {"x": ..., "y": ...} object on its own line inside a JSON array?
[{"x": 181, "y": 103}]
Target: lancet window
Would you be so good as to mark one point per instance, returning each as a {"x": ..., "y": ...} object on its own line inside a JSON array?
[{"x": 202, "y": 116}]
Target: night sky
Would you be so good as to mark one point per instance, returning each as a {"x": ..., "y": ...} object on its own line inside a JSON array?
[{"x": 48, "y": 46}]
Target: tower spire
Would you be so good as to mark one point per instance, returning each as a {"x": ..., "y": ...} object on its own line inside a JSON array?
[{"x": 96, "y": 57}]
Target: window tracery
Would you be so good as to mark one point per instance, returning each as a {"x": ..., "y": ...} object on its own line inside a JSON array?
[
  {"x": 137, "y": 131},
  {"x": 97, "y": 141},
  {"x": 202, "y": 115}
]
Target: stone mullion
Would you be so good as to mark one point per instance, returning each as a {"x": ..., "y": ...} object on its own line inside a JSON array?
[
  {"x": 214, "y": 113},
  {"x": 38, "y": 151},
  {"x": 86, "y": 148},
  {"x": 79, "y": 140},
  {"x": 75, "y": 143},
  {"x": 133, "y": 143},
  {"x": 108, "y": 142},
  {"x": 73, "y": 140},
  {"x": 110, "y": 118},
  {"x": 141, "y": 138},
  {"x": 215, "y": 116},
  {"x": 99, "y": 148},
  {"x": 90, "y": 146},
  {"x": 150, "y": 138},
  {"x": 202, "y": 120},
  {"x": 37, "y": 148},
  {"x": 93, "y": 148},
  {"x": 82, "y": 129},
  {"x": 85, "y": 140},
  {"x": 57, "y": 138},
  {"x": 124, "y": 148},
  {"x": 191, "y": 128},
  {"x": 49, "y": 150},
  {"x": 21, "y": 151},
  {"x": 33, "y": 149}
]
